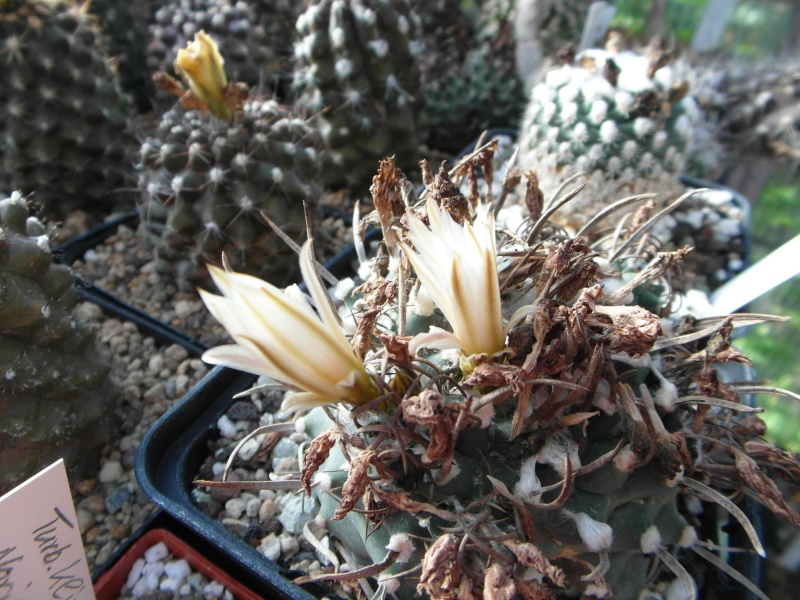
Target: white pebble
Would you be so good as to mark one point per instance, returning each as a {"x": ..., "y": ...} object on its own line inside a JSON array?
[
  {"x": 226, "y": 427},
  {"x": 252, "y": 508},
  {"x": 217, "y": 468},
  {"x": 250, "y": 447},
  {"x": 135, "y": 573},
  {"x": 110, "y": 472},
  {"x": 177, "y": 569},
  {"x": 289, "y": 545},
  {"x": 156, "y": 553},
  {"x": 235, "y": 507},
  {"x": 270, "y": 547},
  {"x": 214, "y": 589}
]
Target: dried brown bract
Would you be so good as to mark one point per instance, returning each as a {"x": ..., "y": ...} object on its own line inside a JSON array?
[{"x": 356, "y": 483}]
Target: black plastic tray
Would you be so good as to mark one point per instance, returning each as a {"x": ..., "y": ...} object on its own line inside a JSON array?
[{"x": 170, "y": 455}]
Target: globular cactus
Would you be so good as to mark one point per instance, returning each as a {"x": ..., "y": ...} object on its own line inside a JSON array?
[
  {"x": 470, "y": 91},
  {"x": 65, "y": 129},
  {"x": 204, "y": 179},
  {"x": 56, "y": 400},
  {"x": 500, "y": 420},
  {"x": 238, "y": 27},
  {"x": 618, "y": 117},
  {"x": 357, "y": 77}
]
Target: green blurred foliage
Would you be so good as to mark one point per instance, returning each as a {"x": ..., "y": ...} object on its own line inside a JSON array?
[
  {"x": 775, "y": 348},
  {"x": 746, "y": 33}
]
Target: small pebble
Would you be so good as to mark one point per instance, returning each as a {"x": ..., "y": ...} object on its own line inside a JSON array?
[
  {"x": 271, "y": 547},
  {"x": 156, "y": 553},
  {"x": 110, "y": 472}
]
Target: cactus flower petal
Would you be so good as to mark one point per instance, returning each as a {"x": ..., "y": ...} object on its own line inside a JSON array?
[
  {"x": 457, "y": 264},
  {"x": 284, "y": 339},
  {"x": 201, "y": 65}
]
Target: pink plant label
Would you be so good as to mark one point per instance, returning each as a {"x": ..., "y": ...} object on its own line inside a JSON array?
[{"x": 41, "y": 552}]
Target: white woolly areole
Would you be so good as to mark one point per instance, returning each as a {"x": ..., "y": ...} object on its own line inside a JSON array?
[
  {"x": 402, "y": 24},
  {"x": 569, "y": 112},
  {"x": 401, "y": 544},
  {"x": 323, "y": 482},
  {"x": 548, "y": 111},
  {"x": 337, "y": 37},
  {"x": 598, "y": 111},
  {"x": 486, "y": 414},
  {"x": 595, "y": 153},
  {"x": 688, "y": 537},
  {"x": 608, "y": 132},
  {"x": 596, "y": 536},
  {"x": 683, "y": 125},
  {"x": 558, "y": 77},
  {"x": 379, "y": 47},
  {"x": 390, "y": 583},
  {"x": 422, "y": 302},
  {"x": 343, "y": 288},
  {"x": 541, "y": 93},
  {"x": 676, "y": 590},
  {"x": 629, "y": 149},
  {"x": 691, "y": 109},
  {"x": 580, "y": 133},
  {"x": 659, "y": 139},
  {"x": 598, "y": 591},
  {"x": 568, "y": 93},
  {"x": 614, "y": 165},
  {"x": 556, "y": 449},
  {"x": 650, "y": 540},
  {"x": 344, "y": 68},
  {"x": 596, "y": 88},
  {"x": 643, "y": 126},
  {"x": 277, "y": 175},
  {"x": 623, "y": 101},
  {"x": 528, "y": 484},
  {"x": 667, "y": 395},
  {"x": 626, "y": 460},
  {"x": 455, "y": 471}
]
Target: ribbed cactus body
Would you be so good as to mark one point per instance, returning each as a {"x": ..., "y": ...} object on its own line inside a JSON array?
[
  {"x": 203, "y": 183},
  {"x": 56, "y": 400},
  {"x": 64, "y": 132},
  {"x": 468, "y": 92},
  {"x": 357, "y": 76},
  {"x": 237, "y": 27},
  {"x": 604, "y": 116}
]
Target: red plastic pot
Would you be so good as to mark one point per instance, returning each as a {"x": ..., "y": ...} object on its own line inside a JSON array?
[{"x": 112, "y": 582}]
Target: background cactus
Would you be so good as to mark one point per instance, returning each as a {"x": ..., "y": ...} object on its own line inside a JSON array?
[
  {"x": 238, "y": 27},
  {"x": 469, "y": 80},
  {"x": 56, "y": 400},
  {"x": 65, "y": 132},
  {"x": 615, "y": 115},
  {"x": 203, "y": 182},
  {"x": 124, "y": 26},
  {"x": 357, "y": 78}
]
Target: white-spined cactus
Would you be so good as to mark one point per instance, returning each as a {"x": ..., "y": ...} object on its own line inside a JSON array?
[{"x": 615, "y": 115}]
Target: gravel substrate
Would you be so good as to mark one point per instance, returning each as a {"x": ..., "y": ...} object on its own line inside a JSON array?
[{"x": 152, "y": 377}]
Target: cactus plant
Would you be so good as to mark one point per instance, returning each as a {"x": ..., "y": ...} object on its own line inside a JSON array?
[
  {"x": 500, "y": 422},
  {"x": 615, "y": 115},
  {"x": 124, "y": 26},
  {"x": 65, "y": 132},
  {"x": 205, "y": 178},
  {"x": 357, "y": 76},
  {"x": 56, "y": 399},
  {"x": 470, "y": 91},
  {"x": 251, "y": 56}
]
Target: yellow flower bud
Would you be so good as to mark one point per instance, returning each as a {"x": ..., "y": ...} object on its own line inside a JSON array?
[{"x": 200, "y": 64}]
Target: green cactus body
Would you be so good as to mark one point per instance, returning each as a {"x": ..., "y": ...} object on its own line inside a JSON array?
[
  {"x": 203, "y": 183},
  {"x": 56, "y": 400},
  {"x": 469, "y": 92},
  {"x": 627, "y": 135},
  {"x": 357, "y": 76},
  {"x": 65, "y": 132},
  {"x": 238, "y": 29},
  {"x": 124, "y": 25}
]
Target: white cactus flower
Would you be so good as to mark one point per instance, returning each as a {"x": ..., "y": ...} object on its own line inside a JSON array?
[
  {"x": 283, "y": 338},
  {"x": 457, "y": 264}
]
